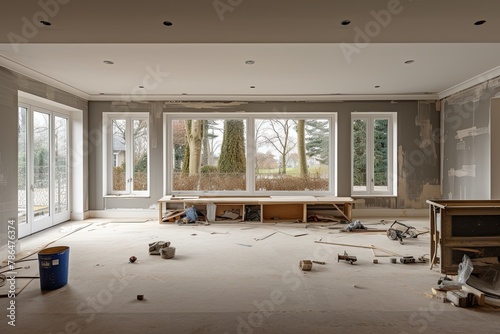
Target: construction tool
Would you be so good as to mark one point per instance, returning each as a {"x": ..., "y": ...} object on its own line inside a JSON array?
[
  {"x": 398, "y": 231},
  {"x": 407, "y": 259},
  {"x": 347, "y": 257}
]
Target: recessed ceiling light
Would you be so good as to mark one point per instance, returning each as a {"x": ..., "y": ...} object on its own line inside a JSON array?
[
  {"x": 45, "y": 23},
  {"x": 480, "y": 22},
  {"x": 184, "y": 93},
  {"x": 141, "y": 86},
  {"x": 345, "y": 22},
  {"x": 377, "y": 86},
  {"x": 167, "y": 23},
  {"x": 252, "y": 86},
  {"x": 250, "y": 62},
  {"x": 108, "y": 62},
  {"x": 409, "y": 61}
]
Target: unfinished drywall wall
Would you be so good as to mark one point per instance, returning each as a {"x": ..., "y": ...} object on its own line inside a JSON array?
[
  {"x": 467, "y": 142},
  {"x": 418, "y": 124},
  {"x": 495, "y": 148},
  {"x": 418, "y": 156}
]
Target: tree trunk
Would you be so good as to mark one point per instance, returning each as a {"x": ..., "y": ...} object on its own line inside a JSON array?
[
  {"x": 301, "y": 147},
  {"x": 206, "y": 151},
  {"x": 232, "y": 157},
  {"x": 195, "y": 141},
  {"x": 185, "y": 161}
]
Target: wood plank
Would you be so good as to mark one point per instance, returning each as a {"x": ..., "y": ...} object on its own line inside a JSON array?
[
  {"x": 478, "y": 295},
  {"x": 347, "y": 245},
  {"x": 492, "y": 301}
]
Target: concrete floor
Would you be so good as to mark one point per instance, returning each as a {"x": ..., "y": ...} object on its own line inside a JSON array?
[{"x": 224, "y": 281}]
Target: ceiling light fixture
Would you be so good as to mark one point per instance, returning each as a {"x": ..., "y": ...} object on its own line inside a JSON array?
[
  {"x": 409, "y": 61},
  {"x": 45, "y": 23},
  {"x": 252, "y": 86},
  {"x": 250, "y": 62},
  {"x": 377, "y": 86},
  {"x": 108, "y": 62},
  {"x": 345, "y": 22},
  {"x": 167, "y": 23},
  {"x": 141, "y": 86},
  {"x": 480, "y": 22}
]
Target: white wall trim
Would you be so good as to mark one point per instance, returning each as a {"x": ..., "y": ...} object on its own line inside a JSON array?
[
  {"x": 392, "y": 213},
  {"x": 483, "y": 77},
  {"x": 124, "y": 213},
  {"x": 35, "y": 75},
  {"x": 260, "y": 98}
]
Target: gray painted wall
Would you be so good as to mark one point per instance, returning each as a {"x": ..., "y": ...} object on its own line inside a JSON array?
[
  {"x": 418, "y": 123},
  {"x": 10, "y": 83},
  {"x": 8, "y": 151},
  {"x": 467, "y": 142}
]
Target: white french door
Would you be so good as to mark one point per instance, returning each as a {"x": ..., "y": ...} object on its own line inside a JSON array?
[{"x": 43, "y": 169}]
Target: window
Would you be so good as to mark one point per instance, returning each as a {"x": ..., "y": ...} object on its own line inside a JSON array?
[
  {"x": 126, "y": 153},
  {"x": 250, "y": 154},
  {"x": 373, "y": 141}
]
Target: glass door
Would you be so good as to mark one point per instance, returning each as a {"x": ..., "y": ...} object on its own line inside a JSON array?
[
  {"x": 43, "y": 169},
  {"x": 61, "y": 169},
  {"x": 41, "y": 185}
]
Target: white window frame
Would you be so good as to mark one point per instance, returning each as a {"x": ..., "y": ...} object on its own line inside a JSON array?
[
  {"x": 369, "y": 117},
  {"x": 108, "y": 154},
  {"x": 249, "y": 140}
]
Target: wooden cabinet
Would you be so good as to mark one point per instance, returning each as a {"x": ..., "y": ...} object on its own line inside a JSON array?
[
  {"x": 270, "y": 208},
  {"x": 461, "y": 227}
]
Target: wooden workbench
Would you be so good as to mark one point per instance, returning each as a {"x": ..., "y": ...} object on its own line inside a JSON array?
[
  {"x": 272, "y": 208},
  {"x": 461, "y": 227}
]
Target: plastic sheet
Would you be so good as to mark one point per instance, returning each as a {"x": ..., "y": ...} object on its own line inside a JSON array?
[{"x": 464, "y": 269}]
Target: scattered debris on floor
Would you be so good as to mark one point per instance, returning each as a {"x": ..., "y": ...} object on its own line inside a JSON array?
[
  {"x": 470, "y": 289},
  {"x": 372, "y": 247},
  {"x": 132, "y": 259},
  {"x": 322, "y": 218},
  {"x": 319, "y": 262},
  {"x": 290, "y": 234},
  {"x": 305, "y": 265},
  {"x": 346, "y": 257},
  {"x": 173, "y": 215},
  {"x": 265, "y": 237},
  {"x": 356, "y": 225},
  {"x": 140, "y": 297},
  {"x": 407, "y": 259},
  {"x": 162, "y": 248},
  {"x": 167, "y": 252},
  {"x": 245, "y": 245}
]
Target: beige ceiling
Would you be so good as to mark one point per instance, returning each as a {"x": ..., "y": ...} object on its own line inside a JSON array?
[{"x": 300, "y": 49}]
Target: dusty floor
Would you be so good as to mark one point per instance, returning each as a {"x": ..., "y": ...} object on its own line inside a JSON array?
[{"x": 224, "y": 281}]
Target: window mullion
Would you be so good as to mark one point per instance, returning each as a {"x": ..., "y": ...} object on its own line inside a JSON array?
[
  {"x": 370, "y": 164},
  {"x": 129, "y": 149}
]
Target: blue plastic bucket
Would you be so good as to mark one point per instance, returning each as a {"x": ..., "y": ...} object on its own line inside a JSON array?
[{"x": 53, "y": 263}]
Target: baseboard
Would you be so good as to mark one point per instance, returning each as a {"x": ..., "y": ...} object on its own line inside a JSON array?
[
  {"x": 124, "y": 213},
  {"x": 80, "y": 215},
  {"x": 392, "y": 213}
]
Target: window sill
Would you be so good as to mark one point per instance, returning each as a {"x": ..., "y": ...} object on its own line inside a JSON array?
[
  {"x": 372, "y": 195},
  {"x": 126, "y": 196}
]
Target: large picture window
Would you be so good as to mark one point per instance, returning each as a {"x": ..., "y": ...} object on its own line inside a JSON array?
[
  {"x": 250, "y": 154},
  {"x": 126, "y": 153},
  {"x": 373, "y": 140}
]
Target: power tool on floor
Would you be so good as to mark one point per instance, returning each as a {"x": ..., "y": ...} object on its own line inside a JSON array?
[{"x": 398, "y": 231}]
